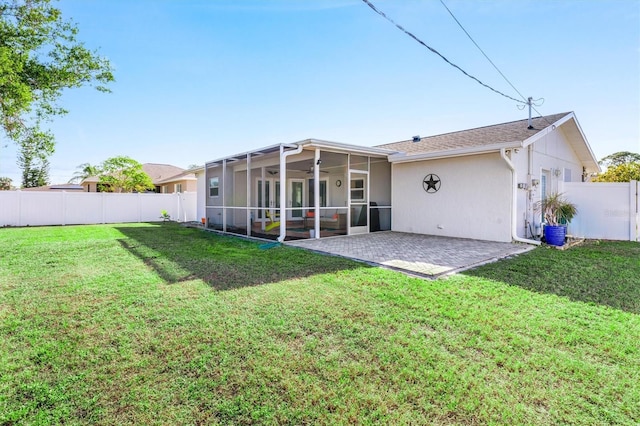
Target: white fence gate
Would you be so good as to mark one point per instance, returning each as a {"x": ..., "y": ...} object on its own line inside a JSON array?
[
  {"x": 27, "y": 208},
  {"x": 605, "y": 210}
]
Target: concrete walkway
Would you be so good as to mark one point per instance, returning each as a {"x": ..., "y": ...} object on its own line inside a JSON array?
[{"x": 424, "y": 255}]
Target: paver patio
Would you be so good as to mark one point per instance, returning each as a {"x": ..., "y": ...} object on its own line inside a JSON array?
[{"x": 425, "y": 255}]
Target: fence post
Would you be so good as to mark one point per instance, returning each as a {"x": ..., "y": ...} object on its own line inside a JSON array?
[
  {"x": 102, "y": 199},
  {"x": 139, "y": 208},
  {"x": 64, "y": 199},
  {"x": 19, "y": 207},
  {"x": 633, "y": 211},
  {"x": 177, "y": 205}
]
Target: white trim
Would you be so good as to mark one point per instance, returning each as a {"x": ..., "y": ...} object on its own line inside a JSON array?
[
  {"x": 244, "y": 154},
  {"x": 283, "y": 189},
  {"x": 551, "y": 128},
  {"x": 404, "y": 158}
]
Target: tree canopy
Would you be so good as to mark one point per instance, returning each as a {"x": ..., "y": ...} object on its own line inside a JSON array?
[
  {"x": 5, "y": 183},
  {"x": 40, "y": 56},
  {"x": 83, "y": 171},
  {"x": 622, "y": 166},
  {"x": 123, "y": 174},
  {"x": 618, "y": 158},
  {"x": 624, "y": 172}
]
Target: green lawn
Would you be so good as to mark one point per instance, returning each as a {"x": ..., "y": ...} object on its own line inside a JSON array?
[{"x": 160, "y": 324}]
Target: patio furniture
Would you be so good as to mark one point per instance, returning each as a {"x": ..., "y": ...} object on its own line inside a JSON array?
[{"x": 273, "y": 224}]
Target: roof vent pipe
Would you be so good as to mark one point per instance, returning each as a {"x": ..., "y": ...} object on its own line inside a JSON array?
[{"x": 416, "y": 138}]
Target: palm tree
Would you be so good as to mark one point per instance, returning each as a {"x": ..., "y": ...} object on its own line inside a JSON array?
[{"x": 84, "y": 170}]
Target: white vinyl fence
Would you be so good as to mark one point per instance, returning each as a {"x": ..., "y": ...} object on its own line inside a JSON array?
[
  {"x": 31, "y": 208},
  {"x": 605, "y": 210}
]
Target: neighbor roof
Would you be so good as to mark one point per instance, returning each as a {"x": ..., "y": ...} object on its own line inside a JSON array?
[
  {"x": 157, "y": 172},
  {"x": 515, "y": 131},
  {"x": 60, "y": 187}
]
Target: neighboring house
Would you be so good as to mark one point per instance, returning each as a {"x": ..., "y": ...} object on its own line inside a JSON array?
[
  {"x": 182, "y": 182},
  {"x": 62, "y": 187},
  {"x": 481, "y": 183},
  {"x": 162, "y": 176}
]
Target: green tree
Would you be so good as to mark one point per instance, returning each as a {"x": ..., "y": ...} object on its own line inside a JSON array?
[
  {"x": 624, "y": 172},
  {"x": 618, "y": 158},
  {"x": 40, "y": 56},
  {"x": 5, "y": 183},
  {"x": 123, "y": 174},
  {"x": 83, "y": 171},
  {"x": 35, "y": 148}
]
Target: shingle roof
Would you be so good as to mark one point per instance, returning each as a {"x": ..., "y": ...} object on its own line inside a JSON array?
[
  {"x": 158, "y": 172},
  {"x": 60, "y": 187},
  {"x": 515, "y": 131}
]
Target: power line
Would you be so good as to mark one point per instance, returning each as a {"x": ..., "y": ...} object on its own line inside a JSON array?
[
  {"x": 379, "y": 12},
  {"x": 530, "y": 102},
  {"x": 480, "y": 49}
]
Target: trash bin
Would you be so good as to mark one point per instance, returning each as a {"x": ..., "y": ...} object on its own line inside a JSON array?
[{"x": 312, "y": 233}]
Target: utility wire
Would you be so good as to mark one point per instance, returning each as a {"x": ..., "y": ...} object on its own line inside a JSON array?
[
  {"x": 482, "y": 51},
  {"x": 532, "y": 105},
  {"x": 379, "y": 12}
]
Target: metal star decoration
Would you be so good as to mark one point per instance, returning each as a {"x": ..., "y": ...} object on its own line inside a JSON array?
[{"x": 431, "y": 183}]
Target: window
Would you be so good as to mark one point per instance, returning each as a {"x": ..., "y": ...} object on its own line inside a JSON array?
[
  {"x": 357, "y": 189},
  {"x": 178, "y": 187},
  {"x": 323, "y": 193},
  {"x": 213, "y": 187}
]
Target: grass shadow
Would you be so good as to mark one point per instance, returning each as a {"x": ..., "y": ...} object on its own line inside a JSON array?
[
  {"x": 599, "y": 272},
  {"x": 178, "y": 254}
]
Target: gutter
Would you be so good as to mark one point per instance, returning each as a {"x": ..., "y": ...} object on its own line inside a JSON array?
[
  {"x": 485, "y": 149},
  {"x": 514, "y": 201},
  {"x": 283, "y": 186}
]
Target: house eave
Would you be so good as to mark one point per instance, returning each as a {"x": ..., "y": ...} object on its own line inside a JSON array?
[
  {"x": 345, "y": 147},
  {"x": 243, "y": 155},
  {"x": 484, "y": 149},
  {"x": 585, "y": 155},
  {"x": 308, "y": 144}
]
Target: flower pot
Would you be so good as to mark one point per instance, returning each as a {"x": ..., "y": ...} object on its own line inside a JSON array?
[{"x": 555, "y": 235}]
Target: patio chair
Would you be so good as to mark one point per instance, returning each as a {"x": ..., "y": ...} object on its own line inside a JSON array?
[{"x": 273, "y": 224}]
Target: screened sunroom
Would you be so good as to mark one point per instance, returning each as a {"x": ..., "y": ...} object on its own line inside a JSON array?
[{"x": 308, "y": 189}]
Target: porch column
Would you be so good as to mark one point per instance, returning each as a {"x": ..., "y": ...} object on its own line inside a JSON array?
[
  {"x": 224, "y": 195},
  {"x": 283, "y": 195},
  {"x": 249, "y": 194},
  {"x": 283, "y": 188},
  {"x": 264, "y": 201},
  {"x": 316, "y": 193}
]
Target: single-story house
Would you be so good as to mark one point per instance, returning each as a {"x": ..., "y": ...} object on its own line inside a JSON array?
[
  {"x": 182, "y": 182},
  {"x": 480, "y": 183},
  {"x": 166, "y": 178},
  {"x": 69, "y": 187}
]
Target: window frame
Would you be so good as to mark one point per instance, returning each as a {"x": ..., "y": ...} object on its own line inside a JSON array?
[{"x": 214, "y": 186}]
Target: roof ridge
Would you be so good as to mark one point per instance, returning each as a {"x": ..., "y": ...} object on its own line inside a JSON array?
[{"x": 163, "y": 164}]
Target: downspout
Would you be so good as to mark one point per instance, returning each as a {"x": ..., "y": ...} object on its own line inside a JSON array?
[
  {"x": 514, "y": 201},
  {"x": 283, "y": 189}
]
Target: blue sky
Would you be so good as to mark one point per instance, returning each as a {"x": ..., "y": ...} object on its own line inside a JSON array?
[{"x": 199, "y": 80}]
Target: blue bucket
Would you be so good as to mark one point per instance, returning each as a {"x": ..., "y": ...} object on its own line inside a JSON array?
[{"x": 555, "y": 235}]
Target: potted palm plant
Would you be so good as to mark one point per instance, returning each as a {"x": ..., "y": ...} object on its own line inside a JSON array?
[{"x": 557, "y": 212}]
